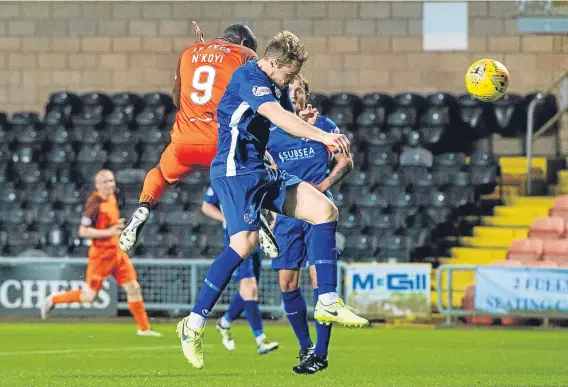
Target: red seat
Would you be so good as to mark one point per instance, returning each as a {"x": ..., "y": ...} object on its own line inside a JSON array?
[
  {"x": 560, "y": 207},
  {"x": 553, "y": 227},
  {"x": 525, "y": 250},
  {"x": 467, "y": 304},
  {"x": 555, "y": 250}
]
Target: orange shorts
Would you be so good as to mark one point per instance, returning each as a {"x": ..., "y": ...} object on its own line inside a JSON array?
[
  {"x": 103, "y": 266},
  {"x": 180, "y": 160}
]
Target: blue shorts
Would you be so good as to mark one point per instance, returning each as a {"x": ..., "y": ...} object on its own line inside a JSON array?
[
  {"x": 243, "y": 196},
  {"x": 249, "y": 267},
  {"x": 293, "y": 237}
]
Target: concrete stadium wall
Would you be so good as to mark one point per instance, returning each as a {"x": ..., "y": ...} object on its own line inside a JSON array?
[{"x": 356, "y": 46}]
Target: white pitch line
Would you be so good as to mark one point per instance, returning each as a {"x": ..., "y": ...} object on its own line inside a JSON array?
[{"x": 64, "y": 351}]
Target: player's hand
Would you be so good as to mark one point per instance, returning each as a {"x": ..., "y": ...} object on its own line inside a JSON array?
[
  {"x": 337, "y": 141},
  {"x": 199, "y": 36},
  {"x": 116, "y": 229},
  {"x": 309, "y": 114}
]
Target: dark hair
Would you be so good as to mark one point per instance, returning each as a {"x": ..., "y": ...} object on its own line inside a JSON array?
[{"x": 240, "y": 34}]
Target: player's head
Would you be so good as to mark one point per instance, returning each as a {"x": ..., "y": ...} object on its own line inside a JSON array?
[
  {"x": 300, "y": 92},
  {"x": 240, "y": 34},
  {"x": 285, "y": 56},
  {"x": 105, "y": 183}
]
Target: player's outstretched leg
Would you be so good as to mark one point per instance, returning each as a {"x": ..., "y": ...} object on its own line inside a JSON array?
[
  {"x": 154, "y": 186},
  {"x": 190, "y": 329},
  {"x": 59, "y": 298},
  {"x": 236, "y": 307},
  {"x": 305, "y": 202}
]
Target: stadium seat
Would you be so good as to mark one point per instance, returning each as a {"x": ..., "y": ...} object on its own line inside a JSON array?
[
  {"x": 395, "y": 247},
  {"x": 89, "y": 135},
  {"x": 553, "y": 227},
  {"x": 95, "y": 104},
  {"x": 402, "y": 120},
  {"x": 127, "y": 102},
  {"x": 474, "y": 115},
  {"x": 545, "y": 109},
  {"x": 67, "y": 103},
  {"x": 57, "y": 134},
  {"x": 319, "y": 101},
  {"x": 555, "y": 250},
  {"x": 413, "y": 101},
  {"x": 560, "y": 207},
  {"x": 526, "y": 251},
  {"x": 510, "y": 115}
]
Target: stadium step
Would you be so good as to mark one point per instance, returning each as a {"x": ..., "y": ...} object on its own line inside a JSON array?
[
  {"x": 501, "y": 232},
  {"x": 518, "y": 164},
  {"x": 494, "y": 241},
  {"x": 507, "y": 211},
  {"x": 467, "y": 255},
  {"x": 533, "y": 201},
  {"x": 508, "y": 221}
]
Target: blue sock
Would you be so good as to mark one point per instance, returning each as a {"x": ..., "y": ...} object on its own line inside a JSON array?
[
  {"x": 254, "y": 317},
  {"x": 297, "y": 312},
  {"x": 322, "y": 243},
  {"x": 323, "y": 333},
  {"x": 236, "y": 307},
  {"x": 216, "y": 280}
]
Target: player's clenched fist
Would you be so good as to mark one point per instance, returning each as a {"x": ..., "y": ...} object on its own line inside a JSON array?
[{"x": 337, "y": 141}]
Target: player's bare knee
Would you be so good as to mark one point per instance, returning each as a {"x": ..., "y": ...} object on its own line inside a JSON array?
[
  {"x": 244, "y": 242},
  {"x": 289, "y": 280},
  {"x": 133, "y": 290}
]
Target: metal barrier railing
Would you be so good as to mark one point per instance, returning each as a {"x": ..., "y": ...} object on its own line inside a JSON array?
[
  {"x": 168, "y": 285},
  {"x": 562, "y": 85},
  {"x": 447, "y": 287}
]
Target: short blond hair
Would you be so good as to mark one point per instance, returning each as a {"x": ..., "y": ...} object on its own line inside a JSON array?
[{"x": 286, "y": 48}]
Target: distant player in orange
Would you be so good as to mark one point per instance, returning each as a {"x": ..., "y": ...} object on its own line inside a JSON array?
[
  {"x": 203, "y": 71},
  {"x": 102, "y": 224}
]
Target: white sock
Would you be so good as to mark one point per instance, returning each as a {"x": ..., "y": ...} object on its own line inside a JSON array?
[
  {"x": 195, "y": 321},
  {"x": 260, "y": 339},
  {"x": 328, "y": 298},
  {"x": 224, "y": 323}
]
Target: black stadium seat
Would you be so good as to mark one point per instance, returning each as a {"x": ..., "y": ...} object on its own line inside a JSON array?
[{"x": 410, "y": 186}]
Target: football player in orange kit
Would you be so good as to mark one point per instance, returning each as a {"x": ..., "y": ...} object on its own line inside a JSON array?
[
  {"x": 102, "y": 224},
  {"x": 203, "y": 71}
]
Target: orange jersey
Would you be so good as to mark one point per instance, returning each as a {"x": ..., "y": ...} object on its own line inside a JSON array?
[
  {"x": 203, "y": 73},
  {"x": 101, "y": 214}
]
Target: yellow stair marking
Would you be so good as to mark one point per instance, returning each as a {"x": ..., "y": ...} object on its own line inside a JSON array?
[
  {"x": 505, "y": 232},
  {"x": 472, "y": 254},
  {"x": 509, "y": 211},
  {"x": 484, "y": 242}
]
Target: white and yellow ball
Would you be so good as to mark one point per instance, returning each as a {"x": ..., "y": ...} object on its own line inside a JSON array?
[{"x": 487, "y": 80}]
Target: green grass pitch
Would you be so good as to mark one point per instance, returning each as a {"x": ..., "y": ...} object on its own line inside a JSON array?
[{"x": 96, "y": 354}]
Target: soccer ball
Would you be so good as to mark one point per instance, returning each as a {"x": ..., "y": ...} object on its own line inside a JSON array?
[{"x": 487, "y": 80}]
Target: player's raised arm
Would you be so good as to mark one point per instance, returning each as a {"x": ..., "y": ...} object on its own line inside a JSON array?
[{"x": 293, "y": 125}]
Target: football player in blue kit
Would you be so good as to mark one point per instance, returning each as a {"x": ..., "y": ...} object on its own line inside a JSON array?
[
  {"x": 246, "y": 298},
  {"x": 310, "y": 161},
  {"x": 256, "y": 97}
]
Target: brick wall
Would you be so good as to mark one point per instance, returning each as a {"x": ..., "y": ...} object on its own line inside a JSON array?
[{"x": 357, "y": 46}]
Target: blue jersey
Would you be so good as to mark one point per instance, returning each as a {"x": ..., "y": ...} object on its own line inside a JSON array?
[
  {"x": 243, "y": 132},
  {"x": 301, "y": 157},
  {"x": 211, "y": 197}
]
